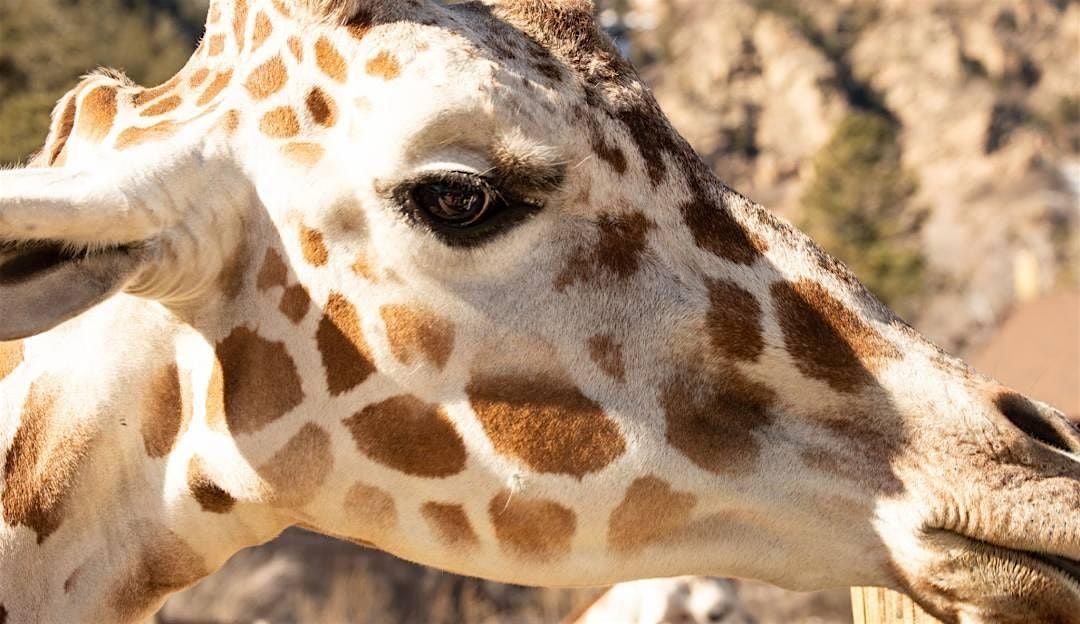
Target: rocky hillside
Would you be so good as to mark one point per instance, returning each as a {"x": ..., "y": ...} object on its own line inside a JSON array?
[{"x": 934, "y": 146}]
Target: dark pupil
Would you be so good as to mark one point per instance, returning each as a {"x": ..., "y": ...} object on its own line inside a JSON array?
[{"x": 453, "y": 203}]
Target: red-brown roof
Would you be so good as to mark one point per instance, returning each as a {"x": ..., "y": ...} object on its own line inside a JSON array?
[{"x": 1037, "y": 351}]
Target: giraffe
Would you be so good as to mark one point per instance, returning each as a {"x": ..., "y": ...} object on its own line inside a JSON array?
[
  {"x": 679, "y": 600},
  {"x": 441, "y": 279}
]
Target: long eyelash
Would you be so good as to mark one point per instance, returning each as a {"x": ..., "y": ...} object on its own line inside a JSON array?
[
  {"x": 509, "y": 208},
  {"x": 485, "y": 180}
]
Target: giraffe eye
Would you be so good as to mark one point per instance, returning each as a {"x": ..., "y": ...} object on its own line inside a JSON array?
[
  {"x": 453, "y": 203},
  {"x": 463, "y": 209}
]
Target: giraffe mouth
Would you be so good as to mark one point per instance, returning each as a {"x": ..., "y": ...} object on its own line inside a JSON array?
[
  {"x": 25, "y": 261},
  {"x": 1068, "y": 567},
  {"x": 1058, "y": 565}
]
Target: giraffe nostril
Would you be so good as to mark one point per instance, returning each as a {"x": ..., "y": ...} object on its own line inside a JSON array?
[{"x": 1041, "y": 424}]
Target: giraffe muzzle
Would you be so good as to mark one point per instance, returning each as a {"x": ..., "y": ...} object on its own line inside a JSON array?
[{"x": 972, "y": 580}]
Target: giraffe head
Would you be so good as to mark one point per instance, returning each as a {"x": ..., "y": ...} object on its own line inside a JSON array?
[{"x": 443, "y": 279}]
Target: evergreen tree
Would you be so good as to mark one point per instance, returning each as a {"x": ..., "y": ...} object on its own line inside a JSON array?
[{"x": 858, "y": 207}]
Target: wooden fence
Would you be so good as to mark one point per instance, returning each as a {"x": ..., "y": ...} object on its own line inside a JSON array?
[{"x": 874, "y": 605}]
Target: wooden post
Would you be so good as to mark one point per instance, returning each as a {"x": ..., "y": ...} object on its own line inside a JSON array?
[{"x": 874, "y": 605}]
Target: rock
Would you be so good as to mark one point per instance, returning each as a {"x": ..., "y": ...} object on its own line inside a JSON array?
[{"x": 986, "y": 94}]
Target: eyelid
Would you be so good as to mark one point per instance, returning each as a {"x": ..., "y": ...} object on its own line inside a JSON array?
[{"x": 436, "y": 166}]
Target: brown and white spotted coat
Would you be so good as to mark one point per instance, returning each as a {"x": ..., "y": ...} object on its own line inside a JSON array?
[{"x": 645, "y": 375}]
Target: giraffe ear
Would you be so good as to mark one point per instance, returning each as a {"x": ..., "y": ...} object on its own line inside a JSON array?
[
  {"x": 62, "y": 123},
  {"x": 45, "y": 283},
  {"x": 68, "y": 241}
]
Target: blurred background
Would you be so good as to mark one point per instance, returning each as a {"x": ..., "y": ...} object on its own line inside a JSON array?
[{"x": 933, "y": 145}]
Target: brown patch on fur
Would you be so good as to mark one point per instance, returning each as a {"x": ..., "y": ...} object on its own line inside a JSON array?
[
  {"x": 415, "y": 331},
  {"x": 164, "y": 565},
  {"x": 549, "y": 69},
  {"x": 274, "y": 271},
  {"x": 862, "y": 442},
  {"x": 233, "y": 275},
  {"x": 41, "y": 466},
  {"x": 545, "y": 422},
  {"x": 450, "y": 523},
  {"x": 410, "y": 436},
  {"x": 210, "y": 496},
  {"x": 345, "y": 353},
  {"x": 97, "y": 113},
  {"x": 149, "y": 95},
  {"x": 216, "y": 45},
  {"x": 267, "y": 79},
  {"x": 263, "y": 29},
  {"x": 653, "y": 136},
  {"x": 321, "y": 107},
  {"x": 371, "y": 509},
  {"x": 826, "y": 339},
  {"x": 199, "y": 77},
  {"x": 610, "y": 153},
  {"x": 230, "y": 121},
  {"x": 215, "y": 399},
  {"x": 306, "y": 154},
  {"x": 384, "y": 66},
  {"x": 260, "y": 383},
  {"x": 295, "y": 472},
  {"x": 221, "y": 80},
  {"x": 623, "y": 240},
  {"x": 71, "y": 581},
  {"x": 3, "y": 614},
  {"x": 296, "y": 47},
  {"x": 282, "y": 8},
  {"x": 733, "y": 322},
  {"x": 363, "y": 268},
  {"x": 534, "y": 529},
  {"x": 166, "y": 105},
  {"x": 313, "y": 246},
  {"x": 280, "y": 123},
  {"x": 360, "y": 24},
  {"x": 11, "y": 355},
  {"x": 715, "y": 230},
  {"x": 607, "y": 354},
  {"x": 295, "y": 303},
  {"x": 163, "y": 414},
  {"x": 138, "y": 136},
  {"x": 330, "y": 60},
  {"x": 712, "y": 420},
  {"x": 240, "y": 14},
  {"x": 650, "y": 511},
  {"x": 64, "y": 125}
]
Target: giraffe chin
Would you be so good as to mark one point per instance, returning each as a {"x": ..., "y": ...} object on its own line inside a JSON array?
[
  {"x": 968, "y": 580},
  {"x": 44, "y": 283}
]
